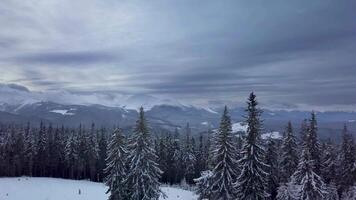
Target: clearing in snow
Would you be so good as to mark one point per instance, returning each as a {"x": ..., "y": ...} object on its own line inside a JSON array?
[{"x": 61, "y": 189}]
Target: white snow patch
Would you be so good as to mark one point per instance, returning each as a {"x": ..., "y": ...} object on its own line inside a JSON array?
[
  {"x": 61, "y": 189},
  {"x": 211, "y": 111},
  {"x": 273, "y": 135},
  {"x": 205, "y": 123},
  {"x": 239, "y": 127},
  {"x": 272, "y": 114},
  {"x": 63, "y": 112},
  {"x": 352, "y": 120},
  {"x": 178, "y": 194}
]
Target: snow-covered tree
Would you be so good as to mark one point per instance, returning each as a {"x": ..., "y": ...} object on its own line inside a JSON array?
[
  {"x": 71, "y": 154},
  {"x": 41, "y": 156},
  {"x": 314, "y": 148},
  {"x": 287, "y": 191},
  {"x": 29, "y": 150},
  {"x": 251, "y": 183},
  {"x": 224, "y": 153},
  {"x": 116, "y": 166},
  {"x": 92, "y": 153},
  {"x": 102, "y": 144},
  {"x": 144, "y": 173},
  {"x": 189, "y": 158},
  {"x": 204, "y": 185},
  {"x": 347, "y": 159},
  {"x": 349, "y": 194},
  {"x": 332, "y": 193},
  {"x": 177, "y": 158},
  {"x": 311, "y": 185},
  {"x": 271, "y": 159},
  {"x": 329, "y": 160},
  {"x": 289, "y": 154}
]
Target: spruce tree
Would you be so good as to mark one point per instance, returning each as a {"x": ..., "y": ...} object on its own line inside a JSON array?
[
  {"x": 144, "y": 173},
  {"x": 315, "y": 151},
  {"x": 29, "y": 150},
  {"x": 271, "y": 159},
  {"x": 92, "y": 152},
  {"x": 178, "y": 158},
  {"x": 329, "y": 160},
  {"x": 189, "y": 158},
  {"x": 102, "y": 153},
  {"x": 289, "y": 157},
  {"x": 309, "y": 182},
  {"x": 116, "y": 166},
  {"x": 251, "y": 183},
  {"x": 347, "y": 160},
  {"x": 71, "y": 154},
  {"x": 203, "y": 184},
  {"x": 225, "y": 170},
  {"x": 311, "y": 185},
  {"x": 41, "y": 156}
]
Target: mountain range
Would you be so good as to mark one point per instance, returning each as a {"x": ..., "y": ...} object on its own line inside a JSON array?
[
  {"x": 163, "y": 116},
  {"x": 19, "y": 105}
]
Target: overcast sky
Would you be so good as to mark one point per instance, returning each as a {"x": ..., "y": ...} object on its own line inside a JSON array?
[{"x": 291, "y": 53}]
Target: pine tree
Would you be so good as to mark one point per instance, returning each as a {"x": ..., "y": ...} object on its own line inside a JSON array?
[
  {"x": 116, "y": 166},
  {"x": 59, "y": 151},
  {"x": 329, "y": 160},
  {"x": 188, "y": 157},
  {"x": 144, "y": 173},
  {"x": 204, "y": 185},
  {"x": 315, "y": 151},
  {"x": 224, "y": 153},
  {"x": 29, "y": 150},
  {"x": 102, "y": 154},
  {"x": 289, "y": 157},
  {"x": 82, "y": 152},
  {"x": 71, "y": 154},
  {"x": 161, "y": 149},
  {"x": 41, "y": 156},
  {"x": 311, "y": 185},
  {"x": 288, "y": 191},
  {"x": 251, "y": 183},
  {"x": 304, "y": 128},
  {"x": 347, "y": 160},
  {"x": 178, "y": 158},
  {"x": 171, "y": 169},
  {"x": 18, "y": 151},
  {"x": 273, "y": 177},
  {"x": 200, "y": 164},
  {"x": 92, "y": 152}
]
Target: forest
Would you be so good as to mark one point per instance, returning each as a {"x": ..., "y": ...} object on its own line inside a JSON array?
[{"x": 218, "y": 164}]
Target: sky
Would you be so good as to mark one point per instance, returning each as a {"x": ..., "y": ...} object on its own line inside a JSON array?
[{"x": 292, "y": 54}]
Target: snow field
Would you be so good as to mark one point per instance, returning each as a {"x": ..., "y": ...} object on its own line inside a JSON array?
[{"x": 26, "y": 188}]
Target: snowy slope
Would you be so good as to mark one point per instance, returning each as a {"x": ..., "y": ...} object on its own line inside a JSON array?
[{"x": 24, "y": 188}]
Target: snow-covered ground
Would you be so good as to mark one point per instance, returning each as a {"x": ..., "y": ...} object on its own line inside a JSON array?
[
  {"x": 25, "y": 188},
  {"x": 239, "y": 127},
  {"x": 63, "y": 112},
  {"x": 273, "y": 135}
]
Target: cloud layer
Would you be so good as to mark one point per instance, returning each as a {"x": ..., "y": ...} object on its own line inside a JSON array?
[{"x": 199, "y": 52}]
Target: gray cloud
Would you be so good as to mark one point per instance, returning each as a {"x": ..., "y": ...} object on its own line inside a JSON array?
[
  {"x": 66, "y": 58},
  {"x": 290, "y": 53}
]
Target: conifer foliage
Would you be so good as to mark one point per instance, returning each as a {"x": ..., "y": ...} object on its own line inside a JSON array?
[
  {"x": 251, "y": 184},
  {"x": 116, "y": 166},
  {"x": 144, "y": 173},
  {"x": 289, "y": 157},
  {"x": 224, "y": 154}
]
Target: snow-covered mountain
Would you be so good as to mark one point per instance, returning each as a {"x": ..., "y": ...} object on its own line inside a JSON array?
[{"x": 19, "y": 105}]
